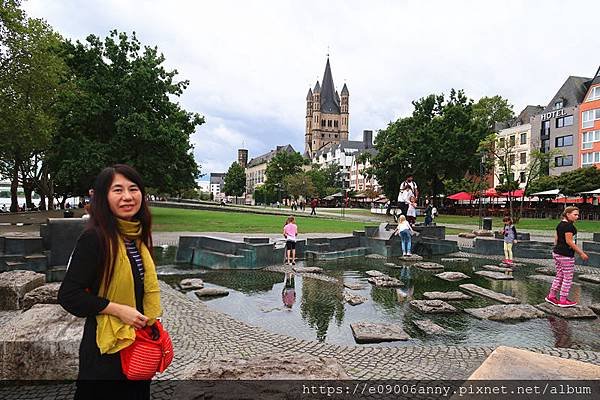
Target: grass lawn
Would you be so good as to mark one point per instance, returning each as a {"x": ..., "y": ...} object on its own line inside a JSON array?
[
  {"x": 524, "y": 223},
  {"x": 181, "y": 220}
]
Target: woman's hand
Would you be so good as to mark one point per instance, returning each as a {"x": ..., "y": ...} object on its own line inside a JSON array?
[{"x": 129, "y": 315}]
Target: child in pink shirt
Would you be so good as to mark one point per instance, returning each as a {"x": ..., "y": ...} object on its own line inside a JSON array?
[{"x": 290, "y": 232}]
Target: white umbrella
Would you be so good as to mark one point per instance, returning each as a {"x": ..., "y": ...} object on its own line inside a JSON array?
[
  {"x": 553, "y": 192},
  {"x": 597, "y": 191}
]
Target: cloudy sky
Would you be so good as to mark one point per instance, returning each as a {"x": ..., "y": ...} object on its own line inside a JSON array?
[{"x": 250, "y": 63}]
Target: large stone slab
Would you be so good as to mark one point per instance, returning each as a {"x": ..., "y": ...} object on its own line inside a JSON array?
[
  {"x": 429, "y": 327},
  {"x": 496, "y": 268},
  {"x": 283, "y": 366},
  {"x": 577, "y": 312},
  {"x": 385, "y": 281},
  {"x": 191, "y": 284},
  {"x": 375, "y": 257},
  {"x": 447, "y": 296},
  {"x": 41, "y": 343},
  {"x": 45, "y": 294},
  {"x": 508, "y": 363},
  {"x": 548, "y": 279},
  {"x": 354, "y": 286},
  {"x": 495, "y": 275},
  {"x": 367, "y": 332},
  {"x": 500, "y": 297},
  {"x": 467, "y": 235},
  {"x": 374, "y": 273},
  {"x": 410, "y": 258},
  {"x": 593, "y": 278},
  {"x": 455, "y": 260},
  {"x": 211, "y": 292},
  {"x": 428, "y": 265},
  {"x": 432, "y": 306},
  {"x": 546, "y": 271},
  {"x": 354, "y": 299},
  {"x": 452, "y": 276},
  {"x": 15, "y": 284},
  {"x": 308, "y": 270},
  {"x": 506, "y": 312}
]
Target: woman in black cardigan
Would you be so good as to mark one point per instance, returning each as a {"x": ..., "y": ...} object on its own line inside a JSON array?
[{"x": 118, "y": 196}]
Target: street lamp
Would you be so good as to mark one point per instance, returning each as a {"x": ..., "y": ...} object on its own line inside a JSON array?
[{"x": 481, "y": 168}]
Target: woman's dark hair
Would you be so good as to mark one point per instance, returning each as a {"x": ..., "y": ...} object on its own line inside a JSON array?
[{"x": 104, "y": 222}]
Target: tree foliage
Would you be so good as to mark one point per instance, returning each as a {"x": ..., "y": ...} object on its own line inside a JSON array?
[
  {"x": 326, "y": 179},
  {"x": 491, "y": 110},
  {"x": 300, "y": 184},
  {"x": 282, "y": 165},
  {"x": 235, "y": 180}
]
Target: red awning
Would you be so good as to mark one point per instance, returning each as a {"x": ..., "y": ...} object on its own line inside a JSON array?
[
  {"x": 514, "y": 193},
  {"x": 491, "y": 192},
  {"x": 461, "y": 196}
]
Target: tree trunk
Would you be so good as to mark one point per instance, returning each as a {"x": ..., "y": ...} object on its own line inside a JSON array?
[
  {"x": 42, "y": 205},
  {"x": 28, "y": 190},
  {"x": 14, "y": 186}
]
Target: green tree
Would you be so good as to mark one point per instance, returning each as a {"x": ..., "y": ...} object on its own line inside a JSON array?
[
  {"x": 282, "y": 165},
  {"x": 300, "y": 184},
  {"x": 31, "y": 73},
  {"x": 491, "y": 110},
  {"x": 235, "y": 181},
  {"x": 121, "y": 108},
  {"x": 326, "y": 179},
  {"x": 579, "y": 180}
]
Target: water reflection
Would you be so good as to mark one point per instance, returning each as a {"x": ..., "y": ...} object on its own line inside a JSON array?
[
  {"x": 321, "y": 302},
  {"x": 561, "y": 331},
  {"x": 288, "y": 294}
]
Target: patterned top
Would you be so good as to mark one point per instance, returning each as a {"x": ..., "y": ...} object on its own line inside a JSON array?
[{"x": 135, "y": 255}]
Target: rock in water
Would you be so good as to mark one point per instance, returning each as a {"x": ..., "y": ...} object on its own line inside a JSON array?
[
  {"x": 428, "y": 265},
  {"x": 506, "y": 312},
  {"x": 308, "y": 270},
  {"x": 374, "y": 273},
  {"x": 191, "y": 284},
  {"x": 354, "y": 299},
  {"x": 495, "y": 275},
  {"x": 429, "y": 327},
  {"x": 577, "y": 312},
  {"x": 432, "y": 306},
  {"x": 446, "y": 296},
  {"x": 452, "y": 276},
  {"x": 211, "y": 292},
  {"x": 367, "y": 332},
  {"x": 500, "y": 297}
]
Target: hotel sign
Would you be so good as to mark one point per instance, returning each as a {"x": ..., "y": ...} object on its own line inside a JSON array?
[{"x": 553, "y": 114}]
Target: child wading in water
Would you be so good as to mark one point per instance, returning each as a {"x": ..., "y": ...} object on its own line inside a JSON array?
[
  {"x": 405, "y": 231},
  {"x": 510, "y": 237},
  {"x": 290, "y": 231},
  {"x": 564, "y": 258}
]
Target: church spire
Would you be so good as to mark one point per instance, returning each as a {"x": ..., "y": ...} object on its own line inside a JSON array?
[{"x": 328, "y": 100}]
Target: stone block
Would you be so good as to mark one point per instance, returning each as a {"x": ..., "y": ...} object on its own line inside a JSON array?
[
  {"x": 593, "y": 278},
  {"x": 496, "y": 268},
  {"x": 191, "y": 284},
  {"x": 256, "y": 240},
  {"x": 456, "y": 260},
  {"x": 452, "y": 276},
  {"x": 500, "y": 297},
  {"x": 385, "y": 281},
  {"x": 506, "y": 312},
  {"x": 500, "y": 276},
  {"x": 435, "y": 232},
  {"x": 507, "y": 363},
  {"x": 307, "y": 270},
  {"x": 591, "y": 246},
  {"x": 45, "y": 294},
  {"x": 41, "y": 343},
  {"x": 354, "y": 286},
  {"x": 429, "y": 327},
  {"x": 432, "y": 306},
  {"x": 447, "y": 296},
  {"x": 354, "y": 299},
  {"x": 577, "y": 312},
  {"x": 367, "y": 332},
  {"x": 23, "y": 245},
  {"x": 15, "y": 284},
  {"x": 596, "y": 237},
  {"x": 63, "y": 234},
  {"x": 428, "y": 265},
  {"x": 211, "y": 292}
]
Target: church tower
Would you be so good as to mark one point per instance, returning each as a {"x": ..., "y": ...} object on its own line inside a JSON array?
[{"x": 327, "y": 114}]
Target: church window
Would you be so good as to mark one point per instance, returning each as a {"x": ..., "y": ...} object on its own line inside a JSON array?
[
  {"x": 322, "y": 122},
  {"x": 329, "y": 123},
  {"x": 335, "y": 124},
  {"x": 322, "y": 135},
  {"x": 335, "y": 135}
]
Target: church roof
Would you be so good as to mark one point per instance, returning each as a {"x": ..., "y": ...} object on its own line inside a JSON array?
[
  {"x": 329, "y": 103},
  {"x": 309, "y": 95},
  {"x": 317, "y": 88},
  {"x": 265, "y": 158},
  {"x": 345, "y": 90}
]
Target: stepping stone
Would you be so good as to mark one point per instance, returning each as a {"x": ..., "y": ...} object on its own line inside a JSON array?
[
  {"x": 432, "y": 306},
  {"x": 385, "y": 281},
  {"x": 307, "y": 270},
  {"x": 374, "y": 273},
  {"x": 354, "y": 299},
  {"x": 577, "y": 312},
  {"x": 412, "y": 257},
  {"x": 354, "y": 286},
  {"x": 467, "y": 235},
  {"x": 321, "y": 277},
  {"x": 547, "y": 278},
  {"x": 191, "y": 284},
  {"x": 428, "y": 265},
  {"x": 506, "y": 312},
  {"x": 367, "y": 332},
  {"x": 375, "y": 256},
  {"x": 429, "y": 327},
  {"x": 496, "y": 268},
  {"x": 500, "y": 297},
  {"x": 513, "y": 265},
  {"x": 595, "y": 308},
  {"x": 391, "y": 265},
  {"x": 455, "y": 260},
  {"x": 546, "y": 271},
  {"x": 500, "y": 276},
  {"x": 211, "y": 292},
  {"x": 446, "y": 296},
  {"x": 593, "y": 278},
  {"x": 507, "y": 363},
  {"x": 452, "y": 276}
]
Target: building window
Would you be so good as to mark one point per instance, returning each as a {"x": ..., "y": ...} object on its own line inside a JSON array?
[
  {"x": 501, "y": 142},
  {"x": 545, "y": 146},
  {"x": 335, "y": 124},
  {"x": 545, "y": 128},
  {"x": 512, "y": 140},
  {"x": 523, "y": 158},
  {"x": 558, "y": 105},
  {"x": 329, "y": 123},
  {"x": 589, "y": 138},
  {"x": 563, "y": 161},
  {"x": 511, "y": 159},
  {"x": 588, "y": 118},
  {"x": 522, "y": 177},
  {"x": 594, "y": 94},
  {"x": 590, "y": 158},
  {"x": 564, "y": 121},
  {"x": 323, "y": 123},
  {"x": 335, "y": 135},
  {"x": 524, "y": 138},
  {"x": 563, "y": 141}
]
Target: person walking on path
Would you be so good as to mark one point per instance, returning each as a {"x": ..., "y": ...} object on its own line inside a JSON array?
[
  {"x": 564, "y": 258},
  {"x": 111, "y": 281},
  {"x": 405, "y": 231},
  {"x": 290, "y": 232},
  {"x": 313, "y": 206},
  {"x": 510, "y": 237}
]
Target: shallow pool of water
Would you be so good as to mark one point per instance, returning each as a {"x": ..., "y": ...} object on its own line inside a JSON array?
[{"x": 314, "y": 309}]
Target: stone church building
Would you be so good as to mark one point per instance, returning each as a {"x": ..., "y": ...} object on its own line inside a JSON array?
[{"x": 326, "y": 115}]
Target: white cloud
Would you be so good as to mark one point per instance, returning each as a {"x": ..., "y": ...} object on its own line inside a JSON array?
[{"x": 251, "y": 63}]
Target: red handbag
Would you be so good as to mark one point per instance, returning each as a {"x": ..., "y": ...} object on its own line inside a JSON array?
[{"x": 151, "y": 352}]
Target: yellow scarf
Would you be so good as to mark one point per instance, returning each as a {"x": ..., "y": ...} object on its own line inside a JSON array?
[{"x": 112, "y": 334}]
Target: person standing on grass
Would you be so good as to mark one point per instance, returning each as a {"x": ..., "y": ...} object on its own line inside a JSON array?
[
  {"x": 564, "y": 258},
  {"x": 290, "y": 232},
  {"x": 510, "y": 237},
  {"x": 405, "y": 231},
  {"x": 313, "y": 206}
]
